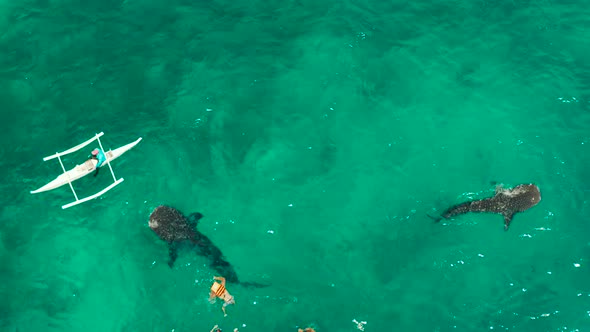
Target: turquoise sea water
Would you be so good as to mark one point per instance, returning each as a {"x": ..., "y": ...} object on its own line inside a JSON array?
[{"x": 314, "y": 137}]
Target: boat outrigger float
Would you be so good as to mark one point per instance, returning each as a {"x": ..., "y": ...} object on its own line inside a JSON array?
[{"x": 84, "y": 169}]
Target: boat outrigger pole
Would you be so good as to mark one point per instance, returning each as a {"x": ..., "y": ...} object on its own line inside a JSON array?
[{"x": 85, "y": 169}]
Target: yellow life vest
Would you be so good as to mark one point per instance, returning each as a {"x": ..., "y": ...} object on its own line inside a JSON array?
[{"x": 218, "y": 289}]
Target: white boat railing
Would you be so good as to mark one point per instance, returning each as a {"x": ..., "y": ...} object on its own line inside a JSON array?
[
  {"x": 79, "y": 201},
  {"x": 75, "y": 148}
]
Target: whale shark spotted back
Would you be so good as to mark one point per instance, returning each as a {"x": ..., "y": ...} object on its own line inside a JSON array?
[{"x": 506, "y": 202}]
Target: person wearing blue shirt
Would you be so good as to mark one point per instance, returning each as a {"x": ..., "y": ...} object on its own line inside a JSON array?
[{"x": 98, "y": 154}]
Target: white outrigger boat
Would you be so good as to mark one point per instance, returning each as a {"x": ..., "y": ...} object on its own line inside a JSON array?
[{"x": 84, "y": 169}]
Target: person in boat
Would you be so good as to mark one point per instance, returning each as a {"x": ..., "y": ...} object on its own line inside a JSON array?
[
  {"x": 98, "y": 154},
  {"x": 307, "y": 329},
  {"x": 218, "y": 291}
]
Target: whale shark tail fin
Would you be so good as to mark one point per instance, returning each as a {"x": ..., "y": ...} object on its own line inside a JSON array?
[{"x": 253, "y": 285}]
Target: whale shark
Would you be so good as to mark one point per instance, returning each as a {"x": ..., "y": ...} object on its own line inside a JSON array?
[
  {"x": 506, "y": 202},
  {"x": 174, "y": 228}
]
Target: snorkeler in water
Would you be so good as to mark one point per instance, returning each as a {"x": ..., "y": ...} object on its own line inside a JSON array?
[{"x": 218, "y": 290}]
